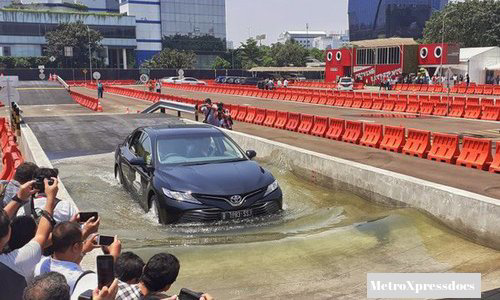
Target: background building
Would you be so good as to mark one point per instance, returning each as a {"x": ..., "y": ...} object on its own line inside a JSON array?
[
  {"x": 331, "y": 41},
  {"x": 305, "y": 38},
  {"x": 371, "y": 19}
]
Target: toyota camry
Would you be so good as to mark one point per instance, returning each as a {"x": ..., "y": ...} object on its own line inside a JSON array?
[{"x": 194, "y": 173}]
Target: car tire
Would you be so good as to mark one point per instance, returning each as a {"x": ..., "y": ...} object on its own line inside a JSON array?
[{"x": 158, "y": 212}]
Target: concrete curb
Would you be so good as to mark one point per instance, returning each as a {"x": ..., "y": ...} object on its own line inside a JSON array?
[{"x": 473, "y": 215}]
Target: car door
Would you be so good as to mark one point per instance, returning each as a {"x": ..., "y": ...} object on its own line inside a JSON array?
[
  {"x": 127, "y": 152},
  {"x": 143, "y": 174}
]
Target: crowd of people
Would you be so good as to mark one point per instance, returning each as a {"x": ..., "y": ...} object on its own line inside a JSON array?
[
  {"x": 43, "y": 241},
  {"x": 270, "y": 84},
  {"x": 216, "y": 114}
]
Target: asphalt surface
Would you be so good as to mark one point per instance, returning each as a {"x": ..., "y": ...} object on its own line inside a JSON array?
[
  {"x": 69, "y": 136},
  {"x": 42, "y": 93}
]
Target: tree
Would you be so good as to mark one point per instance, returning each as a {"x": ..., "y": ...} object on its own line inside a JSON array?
[
  {"x": 289, "y": 53},
  {"x": 318, "y": 54},
  {"x": 251, "y": 54},
  {"x": 77, "y": 36},
  {"x": 171, "y": 59},
  {"x": 195, "y": 43},
  {"x": 472, "y": 23},
  {"x": 221, "y": 63}
]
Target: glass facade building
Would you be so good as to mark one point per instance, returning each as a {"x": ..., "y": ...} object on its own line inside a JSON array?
[
  {"x": 371, "y": 19},
  {"x": 193, "y": 17}
]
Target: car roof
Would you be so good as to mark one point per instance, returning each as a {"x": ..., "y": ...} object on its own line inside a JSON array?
[{"x": 179, "y": 129}]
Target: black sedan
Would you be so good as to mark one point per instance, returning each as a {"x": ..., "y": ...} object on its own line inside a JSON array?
[{"x": 193, "y": 173}]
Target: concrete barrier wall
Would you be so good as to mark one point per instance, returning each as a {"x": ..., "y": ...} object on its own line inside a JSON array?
[{"x": 471, "y": 214}]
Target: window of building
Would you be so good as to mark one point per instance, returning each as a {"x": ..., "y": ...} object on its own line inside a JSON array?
[{"x": 6, "y": 51}]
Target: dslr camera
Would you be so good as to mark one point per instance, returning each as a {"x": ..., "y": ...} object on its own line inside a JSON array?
[
  {"x": 40, "y": 184},
  {"x": 41, "y": 174}
]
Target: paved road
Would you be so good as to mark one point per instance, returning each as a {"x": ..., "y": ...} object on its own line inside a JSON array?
[
  {"x": 477, "y": 128},
  {"x": 42, "y": 93}
]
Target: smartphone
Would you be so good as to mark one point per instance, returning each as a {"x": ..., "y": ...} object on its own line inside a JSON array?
[
  {"x": 187, "y": 294},
  {"x": 105, "y": 240},
  {"x": 87, "y": 295},
  {"x": 85, "y": 216},
  {"x": 105, "y": 270}
]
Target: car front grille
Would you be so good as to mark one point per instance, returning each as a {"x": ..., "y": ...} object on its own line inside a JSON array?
[
  {"x": 214, "y": 214},
  {"x": 247, "y": 196}
]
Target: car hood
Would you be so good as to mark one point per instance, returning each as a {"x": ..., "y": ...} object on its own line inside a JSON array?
[{"x": 214, "y": 178}]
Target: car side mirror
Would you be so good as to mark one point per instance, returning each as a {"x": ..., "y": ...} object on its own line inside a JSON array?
[
  {"x": 137, "y": 161},
  {"x": 251, "y": 154}
]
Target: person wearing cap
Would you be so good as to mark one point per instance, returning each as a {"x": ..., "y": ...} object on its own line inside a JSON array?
[{"x": 210, "y": 113}]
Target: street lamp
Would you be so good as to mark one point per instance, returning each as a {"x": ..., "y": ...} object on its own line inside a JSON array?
[{"x": 90, "y": 54}]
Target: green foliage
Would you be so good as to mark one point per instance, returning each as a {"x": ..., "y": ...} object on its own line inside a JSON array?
[
  {"x": 194, "y": 43},
  {"x": 220, "y": 63},
  {"x": 472, "y": 23},
  {"x": 77, "y": 36},
  {"x": 251, "y": 54},
  {"x": 11, "y": 62},
  {"x": 318, "y": 54},
  {"x": 290, "y": 53},
  {"x": 171, "y": 59}
]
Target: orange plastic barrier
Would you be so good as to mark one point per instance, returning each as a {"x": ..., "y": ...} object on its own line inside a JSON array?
[
  {"x": 413, "y": 97},
  {"x": 471, "y": 100},
  {"x": 427, "y": 108},
  {"x": 270, "y": 118},
  {"x": 441, "y": 109},
  {"x": 486, "y": 101},
  {"x": 435, "y": 99},
  {"x": 456, "y": 110},
  {"x": 424, "y": 98},
  {"x": 476, "y": 153},
  {"x": 281, "y": 119},
  {"x": 336, "y": 129},
  {"x": 242, "y": 113},
  {"x": 444, "y": 148},
  {"x": 495, "y": 164},
  {"x": 320, "y": 126},
  {"x": 353, "y": 132},
  {"x": 339, "y": 101},
  {"x": 306, "y": 123},
  {"x": 377, "y": 104},
  {"x": 234, "y": 111},
  {"x": 491, "y": 112},
  {"x": 388, "y": 105},
  {"x": 413, "y": 106},
  {"x": 372, "y": 135},
  {"x": 394, "y": 139},
  {"x": 458, "y": 100},
  {"x": 251, "y": 111},
  {"x": 357, "y": 103},
  {"x": 348, "y": 102},
  {"x": 472, "y": 111},
  {"x": 367, "y": 103},
  {"x": 400, "y": 106},
  {"x": 331, "y": 99},
  {"x": 315, "y": 99},
  {"x": 417, "y": 143},
  {"x": 293, "y": 121},
  {"x": 260, "y": 116}
]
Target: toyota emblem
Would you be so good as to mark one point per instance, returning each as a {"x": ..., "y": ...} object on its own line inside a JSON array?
[{"x": 235, "y": 200}]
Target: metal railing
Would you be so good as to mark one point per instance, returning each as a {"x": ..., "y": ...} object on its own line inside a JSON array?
[{"x": 179, "y": 107}]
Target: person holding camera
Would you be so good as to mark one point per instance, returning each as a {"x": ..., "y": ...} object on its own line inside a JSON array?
[
  {"x": 24, "y": 173},
  {"x": 63, "y": 211},
  {"x": 17, "y": 266}
]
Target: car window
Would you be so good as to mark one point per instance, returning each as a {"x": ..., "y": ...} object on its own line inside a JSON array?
[
  {"x": 141, "y": 146},
  {"x": 134, "y": 140},
  {"x": 197, "y": 149}
]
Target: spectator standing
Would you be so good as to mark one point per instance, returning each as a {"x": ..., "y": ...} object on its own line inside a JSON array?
[
  {"x": 210, "y": 113},
  {"x": 461, "y": 78},
  {"x": 100, "y": 90},
  {"x": 498, "y": 79},
  {"x": 285, "y": 83},
  {"x": 278, "y": 83},
  {"x": 49, "y": 286},
  {"x": 24, "y": 173},
  {"x": 467, "y": 79},
  {"x": 158, "y": 86},
  {"x": 17, "y": 266}
]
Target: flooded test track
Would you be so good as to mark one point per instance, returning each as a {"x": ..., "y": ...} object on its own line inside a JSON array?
[{"x": 320, "y": 247}]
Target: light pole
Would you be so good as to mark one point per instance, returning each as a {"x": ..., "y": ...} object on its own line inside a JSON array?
[{"x": 90, "y": 54}]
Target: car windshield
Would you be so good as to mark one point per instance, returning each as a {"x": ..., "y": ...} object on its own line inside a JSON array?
[
  {"x": 346, "y": 80},
  {"x": 197, "y": 149}
]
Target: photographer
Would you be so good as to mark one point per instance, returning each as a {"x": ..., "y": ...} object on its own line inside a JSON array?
[
  {"x": 63, "y": 211},
  {"x": 69, "y": 249},
  {"x": 18, "y": 265},
  {"x": 24, "y": 173},
  {"x": 159, "y": 273}
]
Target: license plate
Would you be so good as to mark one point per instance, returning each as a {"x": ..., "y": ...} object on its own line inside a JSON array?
[{"x": 245, "y": 213}]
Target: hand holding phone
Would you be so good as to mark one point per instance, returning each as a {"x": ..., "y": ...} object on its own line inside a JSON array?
[
  {"x": 105, "y": 240},
  {"x": 85, "y": 216},
  {"x": 105, "y": 270},
  {"x": 187, "y": 294}
]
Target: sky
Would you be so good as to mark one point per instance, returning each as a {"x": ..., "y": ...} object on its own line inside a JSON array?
[{"x": 246, "y": 18}]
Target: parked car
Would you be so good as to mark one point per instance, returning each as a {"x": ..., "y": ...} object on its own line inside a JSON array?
[
  {"x": 185, "y": 80},
  {"x": 220, "y": 79},
  {"x": 230, "y": 79},
  {"x": 345, "y": 84},
  {"x": 250, "y": 81},
  {"x": 194, "y": 173}
]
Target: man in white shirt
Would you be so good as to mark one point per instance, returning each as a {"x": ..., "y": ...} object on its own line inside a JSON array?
[
  {"x": 285, "y": 83},
  {"x": 69, "y": 249},
  {"x": 18, "y": 265}
]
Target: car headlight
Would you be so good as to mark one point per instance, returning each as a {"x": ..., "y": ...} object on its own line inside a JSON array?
[
  {"x": 180, "y": 196},
  {"x": 271, "y": 188}
]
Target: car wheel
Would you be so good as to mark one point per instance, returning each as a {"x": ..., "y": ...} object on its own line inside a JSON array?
[{"x": 159, "y": 214}]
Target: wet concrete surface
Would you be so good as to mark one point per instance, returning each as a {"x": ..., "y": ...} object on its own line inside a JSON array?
[
  {"x": 477, "y": 128},
  {"x": 320, "y": 247}
]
